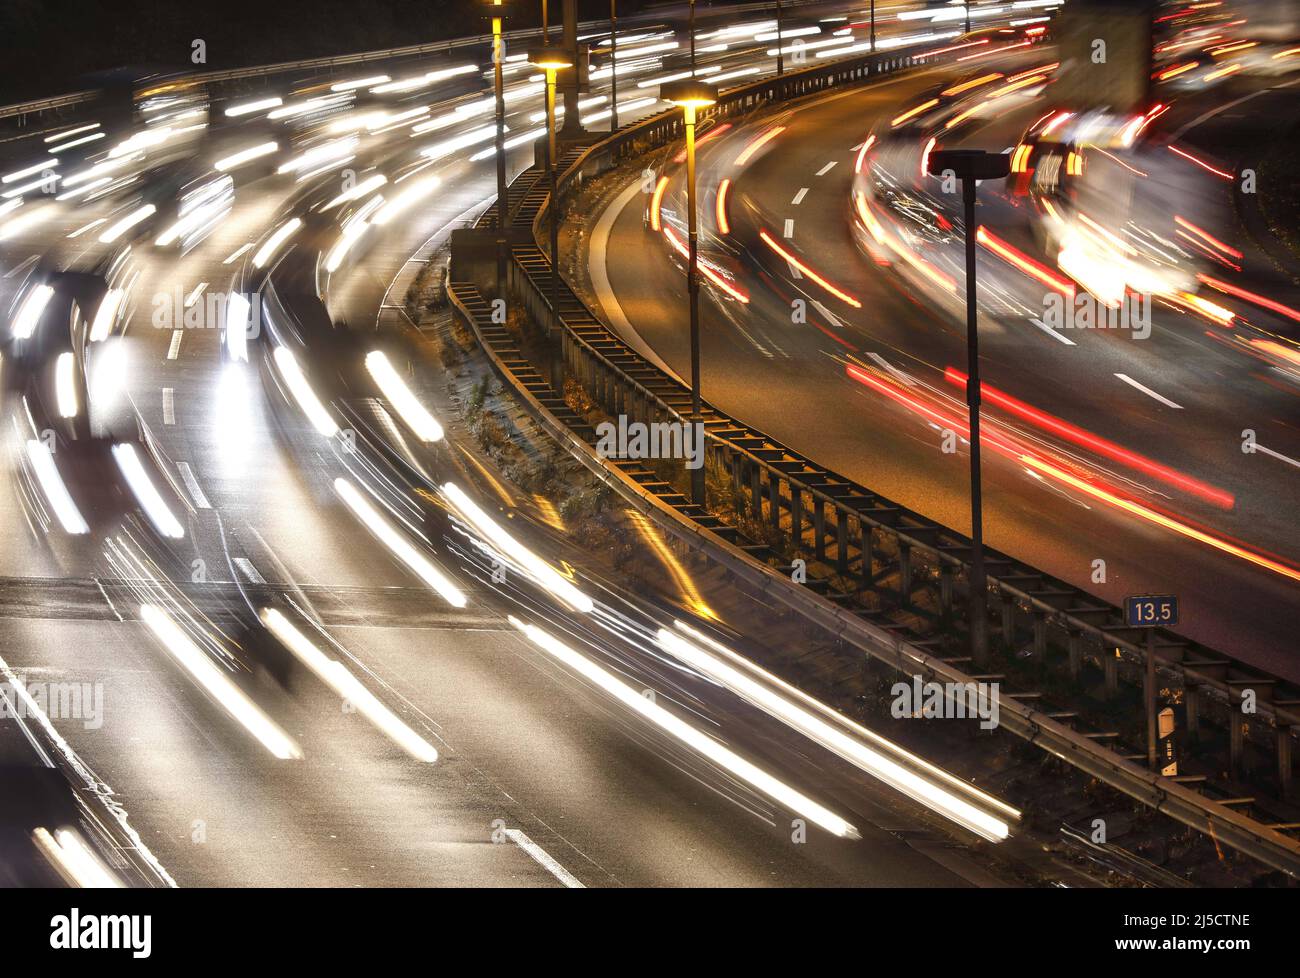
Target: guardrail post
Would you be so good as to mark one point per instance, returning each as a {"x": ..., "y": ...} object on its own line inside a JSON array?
[
  {"x": 1192, "y": 709},
  {"x": 1008, "y": 621},
  {"x": 756, "y": 491},
  {"x": 796, "y": 518},
  {"x": 819, "y": 528},
  {"x": 866, "y": 536},
  {"x": 1236, "y": 742},
  {"x": 841, "y": 541},
  {"x": 1284, "y": 774},
  {"x": 1110, "y": 671},
  {"x": 1075, "y": 649},
  {"x": 905, "y": 574},
  {"x": 1040, "y": 636},
  {"x": 774, "y": 498},
  {"x": 945, "y": 590}
]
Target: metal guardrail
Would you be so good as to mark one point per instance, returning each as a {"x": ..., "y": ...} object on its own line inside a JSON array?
[{"x": 883, "y": 546}]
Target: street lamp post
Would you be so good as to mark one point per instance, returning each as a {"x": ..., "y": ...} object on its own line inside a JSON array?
[
  {"x": 497, "y": 10},
  {"x": 691, "y": 95},
  {"x": 972, "y": 166},
  {"x": 613, "y": 65},
  {"x": 873, "y": 26},
  {"x": 552, "y": 60},
  {"x": 690, "y": 28},
  {"x": 780, "y": 58}
]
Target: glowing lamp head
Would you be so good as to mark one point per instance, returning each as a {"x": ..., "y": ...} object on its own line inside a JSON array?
[
  {"x": 689, "y": 93},
  {"x": 549, "y": 57}
]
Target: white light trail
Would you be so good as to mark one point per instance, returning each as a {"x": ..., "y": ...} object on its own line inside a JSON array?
[
  {"x": 337, "y": 677},
  {"x": 542, "y": 572},
  {"x": 145, "y": 492},
  {"x": 54, "y": 488},
  {"x": 789, "y": 710},
  {"x": 217, "y": 684},
  {"x": 398, "y": 544},
  {"x": 419, "y": 420},
  {"x": 724, "y": 757},
  {"x": 302, "y": 393}
]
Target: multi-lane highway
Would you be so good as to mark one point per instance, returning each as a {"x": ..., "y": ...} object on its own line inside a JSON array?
[
  {"x": 845, "y": 350},
  {"x": 309, "y": 673}
]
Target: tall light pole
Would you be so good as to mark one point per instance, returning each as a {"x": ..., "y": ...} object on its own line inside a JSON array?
[
  {"x": 873, "y": 26},
  {"x": 552, "y": 60},
  {"x": 497, "y": 10},
  {"x": 613, "y": 65},
  {"x": 690, "y": 96},
  {"x": 546, "y": 27},
  {"x": 690, "y": 29},
  {"x": 972, "y": 166},
  {"x": 780, "y": 58},
  {"x": 966, "y": 4}
]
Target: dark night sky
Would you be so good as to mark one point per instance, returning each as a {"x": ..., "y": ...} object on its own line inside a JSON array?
[{"x": 49, "y": 46}]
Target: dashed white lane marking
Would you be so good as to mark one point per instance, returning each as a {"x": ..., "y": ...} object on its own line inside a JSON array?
[
  {"x": 193, "y": 297},
  {"x": 169, "y": 406},
  {"x": 798, "y": 198},
  {"x": 1276, "y": 455},
  {"x": 250, "y": 572},
  {"x": 893, "y": 371},
  {"x": 1148, "y": 391},
  {"x": 1051, "y": 332},
  {"x": 827, "y": 168},
  {"x": 543, "y": 859},
  {"x": 789, "y": 227},
  {"x": 174, "y": 350},
  {"x": 794, "y": 272},
  {"x": 192, "y": 484}
]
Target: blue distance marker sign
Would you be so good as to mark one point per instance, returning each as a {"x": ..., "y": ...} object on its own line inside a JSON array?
[{"x": 1148, "y": 610}]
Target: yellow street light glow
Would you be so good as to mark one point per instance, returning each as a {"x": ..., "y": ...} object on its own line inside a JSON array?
[
  {"x": 302, "y": 393},
  {"x": 398, "y": 544},
  {"x": 724, "y": 757},
  {"x": 217, "y": 684},
  {"x": 542, "y": 572},
  {"x": 337, "y": 677},
  {"x": 420, "y": 421}
]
